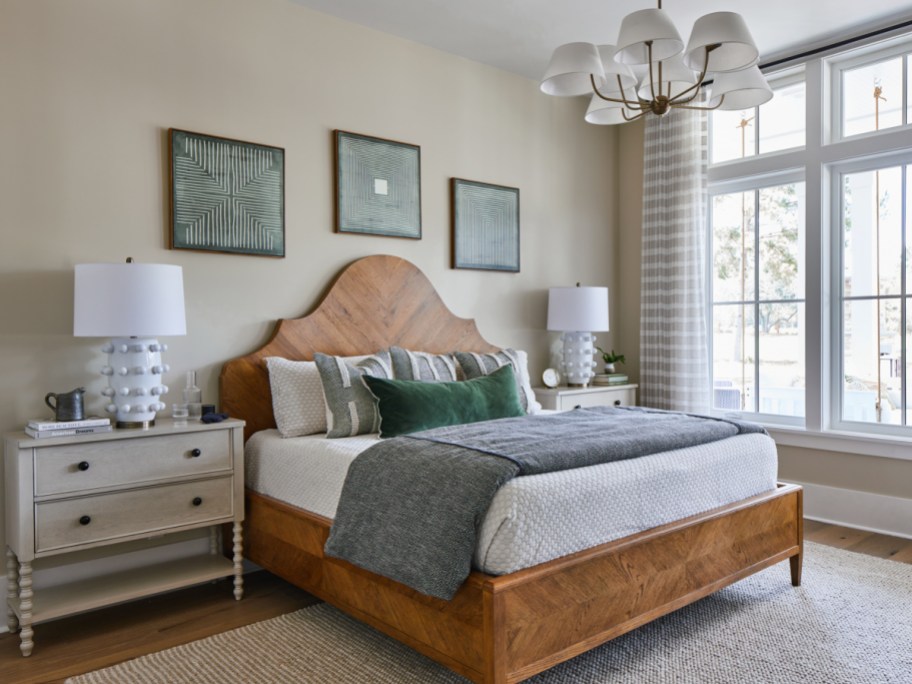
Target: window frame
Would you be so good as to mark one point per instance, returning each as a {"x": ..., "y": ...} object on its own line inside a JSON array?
[
  {"x": 752, "y": 184},
  {"x": 823, "y": 157}
]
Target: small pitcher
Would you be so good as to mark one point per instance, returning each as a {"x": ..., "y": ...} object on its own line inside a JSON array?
[{"x": 68, "y": 406}]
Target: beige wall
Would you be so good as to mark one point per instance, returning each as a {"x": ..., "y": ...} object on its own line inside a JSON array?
[{"x": 90, "y": 88}]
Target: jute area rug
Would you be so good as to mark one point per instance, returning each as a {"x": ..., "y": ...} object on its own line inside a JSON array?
[{"x": 850, "y": 622}]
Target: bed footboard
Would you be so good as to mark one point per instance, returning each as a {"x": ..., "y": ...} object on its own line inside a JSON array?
[{"x": 508, "y": 628}]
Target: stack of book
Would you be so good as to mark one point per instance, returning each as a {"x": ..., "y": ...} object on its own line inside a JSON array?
[
  {"x": 603, "y": 379},
  {"x": 39, "y": 429}
]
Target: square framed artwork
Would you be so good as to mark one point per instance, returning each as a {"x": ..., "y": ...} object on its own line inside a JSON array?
[
  {"x": 378, "y": 186},
  {"x": 226, "y": 195},
  {"x": 485, "y": 226}
]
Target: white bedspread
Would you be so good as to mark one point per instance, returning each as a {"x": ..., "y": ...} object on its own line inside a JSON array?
[{"x": 540, "y": 517}]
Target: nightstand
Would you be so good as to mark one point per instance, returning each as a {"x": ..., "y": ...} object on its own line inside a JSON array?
[
  {"x": 74, "y": 493},
  {"x": 566, "y": 398}
]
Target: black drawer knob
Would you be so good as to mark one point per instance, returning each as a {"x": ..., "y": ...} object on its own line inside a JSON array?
[
  {"x": 578, "y": 406},
  {"x": 197, "y": 500},
  {"x": 83, "y": 465},
  {"x": 196, "y": 453},
  {"x": 617, "y": 402},
  {"x": 85, "y": 520}
]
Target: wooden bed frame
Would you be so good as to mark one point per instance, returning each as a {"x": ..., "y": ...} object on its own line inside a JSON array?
[{"x": 505, "y": 628}]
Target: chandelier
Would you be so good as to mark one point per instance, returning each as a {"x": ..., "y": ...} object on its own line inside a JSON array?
[{"x": 670, "y": 76}]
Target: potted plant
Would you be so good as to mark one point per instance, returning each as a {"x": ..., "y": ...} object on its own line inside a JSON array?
[{"x": 610, "y": 359}]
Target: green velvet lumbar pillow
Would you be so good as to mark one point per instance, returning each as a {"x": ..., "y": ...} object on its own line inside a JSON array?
[{"x": 410, "y": 405}]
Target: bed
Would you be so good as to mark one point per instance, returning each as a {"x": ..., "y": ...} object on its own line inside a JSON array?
[{"x": 498, "y": 628}]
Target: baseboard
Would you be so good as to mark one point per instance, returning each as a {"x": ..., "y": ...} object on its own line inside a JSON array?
[{"x": 860, "y": 510}]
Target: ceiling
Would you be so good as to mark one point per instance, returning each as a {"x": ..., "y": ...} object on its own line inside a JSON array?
[{"x": 519, "y": 35}]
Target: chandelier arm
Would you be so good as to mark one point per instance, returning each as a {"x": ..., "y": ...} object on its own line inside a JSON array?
[
  {"x": 651, "y": 80},
  {"x": 676, "y": 100},
  {"x": 634, "y": 118},
  {"x": 624, "y": 101},
  {"x": 701, "y": 107}
]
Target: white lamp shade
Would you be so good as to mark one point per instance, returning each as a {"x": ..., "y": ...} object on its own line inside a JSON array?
[
  {"x": 582, "y": 309},
  {"x": 647, "y": 25},
  {"x": 743, "y": 89},
  {"x": 568, "y": 73},
  {"x": 737, "y": 49},
  {"x": 614, "y": 70},
  {"x": 603, "y": 113},
  {"x": 128, "y": 300},
  {"x": 673, "y": 72}
]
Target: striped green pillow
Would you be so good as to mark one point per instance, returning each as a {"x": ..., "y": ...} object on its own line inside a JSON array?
[{"x": 350, "y": 407}]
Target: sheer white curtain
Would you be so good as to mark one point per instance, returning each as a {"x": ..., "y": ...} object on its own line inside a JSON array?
[{"x": 674, "y": 364}]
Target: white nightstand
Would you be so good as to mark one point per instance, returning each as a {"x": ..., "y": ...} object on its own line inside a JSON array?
[
  {"x": 566, "y": 398},
  {"x": 74, "y": 493}
]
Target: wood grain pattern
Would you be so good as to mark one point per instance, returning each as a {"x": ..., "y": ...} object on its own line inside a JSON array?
[
  {"x": 109, "y": 636},
  {"x": 496, "y": 629},
  {"x": 376, "y": 302}
]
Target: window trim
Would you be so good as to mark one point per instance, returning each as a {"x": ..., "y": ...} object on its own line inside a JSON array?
[
  {"x": 862, "y": 57},
  {"x": 837, "y": 172}
]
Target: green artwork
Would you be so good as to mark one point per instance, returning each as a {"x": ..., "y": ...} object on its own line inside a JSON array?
[{"x": 227, "y": 195}]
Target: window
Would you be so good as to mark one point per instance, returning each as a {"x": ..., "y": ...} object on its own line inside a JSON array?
[
  {"x": 757, "y": 240},
  {"x": 812, "y": 300},
  {"x": 875, "y": 316},
  {"x": 758, "y": 300},
  {"x": 776, "y": 125}
]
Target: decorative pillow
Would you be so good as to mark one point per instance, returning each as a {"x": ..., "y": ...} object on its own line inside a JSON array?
[
  {"x": 297, "y": 397},
  {"x": 350, "y": 407},
  {"x": 411, "y": 405},
  {"x": 475, "y": 365},
  {"x": 417, "y": 365}
]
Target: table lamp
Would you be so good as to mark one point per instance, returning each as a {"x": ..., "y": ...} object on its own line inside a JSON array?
[
  {"x": 576, "y": 312},
  {"x": 133, "y": 304}
]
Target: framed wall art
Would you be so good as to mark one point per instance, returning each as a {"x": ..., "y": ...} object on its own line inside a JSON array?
[
  {"x": 485, "y": 221},
  {"x": 226, "y": 195},
  {"x": 378, "y": 186}
]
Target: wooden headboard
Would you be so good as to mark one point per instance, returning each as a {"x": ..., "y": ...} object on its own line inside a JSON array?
[{"x": 374, "y": 303}]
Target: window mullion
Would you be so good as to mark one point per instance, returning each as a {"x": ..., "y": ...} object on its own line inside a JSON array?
[{"x": 757, "y": 300}]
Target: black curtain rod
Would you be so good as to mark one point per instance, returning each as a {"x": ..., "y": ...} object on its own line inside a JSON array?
[{"x": 838, "y": 44}]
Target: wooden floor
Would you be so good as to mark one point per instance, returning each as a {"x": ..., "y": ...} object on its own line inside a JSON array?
[{"x": 88, "y": 642}]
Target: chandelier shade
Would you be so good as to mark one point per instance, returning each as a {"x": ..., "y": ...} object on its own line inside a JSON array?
[
  {"x": 736, "y": 48},
  {"x": 572, "y": 69},
  {"x": 743, "y": 89},
  {"x": 614, "y": 70},
  {"x": 647, "y": 27},
  {"x": 603, "y": 113},
  {"x": 720, "y": 49}
]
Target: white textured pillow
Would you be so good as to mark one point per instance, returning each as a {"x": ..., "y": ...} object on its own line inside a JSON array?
[{"x": 297, "y": 397}]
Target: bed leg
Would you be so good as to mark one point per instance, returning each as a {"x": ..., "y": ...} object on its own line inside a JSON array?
[{"x": 795, "y": 563}]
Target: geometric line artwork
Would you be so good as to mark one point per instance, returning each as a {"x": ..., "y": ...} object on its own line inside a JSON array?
[
  {"x": 226, "y": 195},
  {"x": 378, "y": 186},
  {"x": 485, "y": 226}
]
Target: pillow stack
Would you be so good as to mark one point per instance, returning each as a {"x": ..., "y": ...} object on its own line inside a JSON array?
[{"x": 397, "y": 391}]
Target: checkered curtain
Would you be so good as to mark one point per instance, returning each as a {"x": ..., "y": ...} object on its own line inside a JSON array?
[{"x": 674, "y": 364}]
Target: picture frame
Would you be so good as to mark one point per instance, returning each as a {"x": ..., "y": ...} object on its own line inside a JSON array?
[
  {"x": 227, "y": 195},
  {"x": 377, "y": 186},
  {"x": 485, "y": 226}
]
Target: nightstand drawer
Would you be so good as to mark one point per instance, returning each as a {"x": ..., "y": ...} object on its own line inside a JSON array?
[
  {"x": 94, "y": 465},
  {"x": 131, "y": 513},
  {"x": 597, "y": 397}
]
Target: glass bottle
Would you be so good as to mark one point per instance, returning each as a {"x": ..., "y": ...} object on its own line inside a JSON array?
[{"x": 193, "y": 396}]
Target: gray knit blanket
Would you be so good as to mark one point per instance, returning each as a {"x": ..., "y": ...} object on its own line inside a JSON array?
[{"x": 410, "y": 506}]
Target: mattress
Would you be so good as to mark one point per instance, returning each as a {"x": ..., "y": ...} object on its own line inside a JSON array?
[{"x": 538, "y": 518}]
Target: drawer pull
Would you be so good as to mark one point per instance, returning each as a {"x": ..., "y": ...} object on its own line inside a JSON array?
[
  {"x": 196, "y": 453},
  {"x": 83, "y": 465},
  {"x": 617, "y": 402},
  {"x": 85, "y": 520},
  {"x": 197, "y": 500}
]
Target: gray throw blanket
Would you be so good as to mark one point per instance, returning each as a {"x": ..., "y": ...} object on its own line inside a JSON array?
[{"x": 411, "y": 505}]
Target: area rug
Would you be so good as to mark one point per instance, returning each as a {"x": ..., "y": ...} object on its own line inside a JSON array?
[{"x": 850, "y": 622}]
